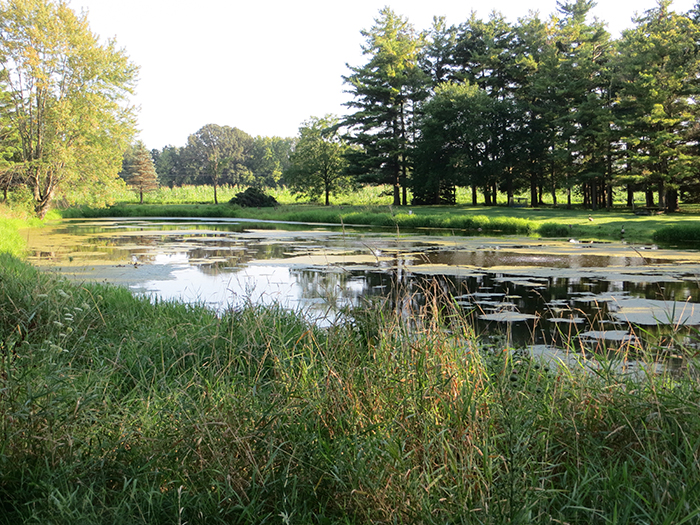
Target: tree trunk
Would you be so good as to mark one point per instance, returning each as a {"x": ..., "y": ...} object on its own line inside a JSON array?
[
  {"x": 630, "y": 196},
  {"x": 594, "y": 195},
  {"x": 662, "y": 196},
  {"x": 533, "y": 191},
  {"x": 474, "y": 195},
  {"x": 397, "y": 193},
  {"x": 649, "y": 194},
  {"x": 671, "y": 201},
  {"x": 328, "y": 197},
  {"x": 487, "y": 196}
]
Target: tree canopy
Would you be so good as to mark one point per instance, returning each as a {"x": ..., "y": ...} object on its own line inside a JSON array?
[
  {"x": 218, "y": 152},
  {"x": 67, "y": 98},
  {"x": 385, "y": 93},
  {"x": 317, "y": 164}
]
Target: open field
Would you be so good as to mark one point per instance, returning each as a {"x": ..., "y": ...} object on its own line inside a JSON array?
[{"x": 257, "y": 417}]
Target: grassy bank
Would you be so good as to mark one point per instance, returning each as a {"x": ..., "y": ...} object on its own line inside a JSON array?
[
  {"x": 257, "y": 417},
  {"x": 12, "y": 221},
  {"x": 545, "y": 222}
]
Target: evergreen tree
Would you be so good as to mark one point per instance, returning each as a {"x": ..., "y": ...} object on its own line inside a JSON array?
[
  {"x": 140, "y": 172},
  {"x": 658, "y": 89},
  {"x": 386, "y": 91}
]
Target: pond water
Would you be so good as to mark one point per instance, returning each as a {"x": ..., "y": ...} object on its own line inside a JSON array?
[{"x": 532, "y": 291}]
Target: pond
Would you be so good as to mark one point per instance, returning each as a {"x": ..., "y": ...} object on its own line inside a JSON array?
[{"x": 530, "y": 291}]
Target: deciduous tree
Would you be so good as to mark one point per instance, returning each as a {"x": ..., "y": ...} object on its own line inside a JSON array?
[
  {"x": 68, "y": 98},
  {"x": 317, "y": 164},
  {"x": 216, "y": 153}
]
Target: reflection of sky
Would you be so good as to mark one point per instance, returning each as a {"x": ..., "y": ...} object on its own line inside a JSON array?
[
  {"x": 259, "y": 285},
  {"x": 293, "y": 269}
]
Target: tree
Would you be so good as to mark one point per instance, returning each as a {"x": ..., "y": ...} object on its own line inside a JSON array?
[
  {"x": 215, "y": 153},
  {"x": 386, "y": 91},
  {"x": 658, "y": 89},
  {"x": 269, "y": 159},
  {"x": 140, "y": 172},
  {"x": 171, "y": 167},
  {"x": 318, "y": 160},
  {"x": 466, "y": 138},
  {"x": 68, "y": 97}
]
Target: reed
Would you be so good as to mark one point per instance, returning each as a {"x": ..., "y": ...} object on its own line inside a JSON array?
[{"x": 120, "y": 409}]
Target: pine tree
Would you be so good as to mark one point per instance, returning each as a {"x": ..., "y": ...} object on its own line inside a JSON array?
[
  {"x": 386, "y": 92},
  {"x": 140, "y": 173}
]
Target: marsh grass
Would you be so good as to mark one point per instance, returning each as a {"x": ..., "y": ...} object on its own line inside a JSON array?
[{"x": 117, "y": 409}]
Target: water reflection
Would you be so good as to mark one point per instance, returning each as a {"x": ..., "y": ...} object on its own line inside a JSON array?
[{"x": 529, "y": 291}]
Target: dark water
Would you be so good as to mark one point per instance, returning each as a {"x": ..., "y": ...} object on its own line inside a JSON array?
[{"x": 528, "y": 291}]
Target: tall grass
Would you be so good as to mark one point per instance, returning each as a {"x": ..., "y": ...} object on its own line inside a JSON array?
[
  {"x": 117, "y": 409},
  {"x": 12, "y": 221}
]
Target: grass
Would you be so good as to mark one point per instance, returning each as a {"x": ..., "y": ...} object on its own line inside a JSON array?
[
  {"x": 545, "y": 222},
  {"x": 12, "y": 221},
  {"x": 255, "y": 416}
]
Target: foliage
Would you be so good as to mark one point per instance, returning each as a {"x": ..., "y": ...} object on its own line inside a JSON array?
[
  {"x": 386, "y": 91},
  {"x": 389, "y": 416},
  {"x": 659, "y": 64},
  {"x": 269, "y": 159},
  {"x": 139, "y": 172},
  {"x": 67, "y": 98},
  {"x": 317, "y": 164},
  {"x": 253, "y": 198},
  {"x": 217, "y": 153}
]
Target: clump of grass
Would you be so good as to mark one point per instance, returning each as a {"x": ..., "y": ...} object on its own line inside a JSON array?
[
  {"x": 120, "y": 409},
  {"x": 678, "y": 234},
  {"x": 551, "y": 229}
]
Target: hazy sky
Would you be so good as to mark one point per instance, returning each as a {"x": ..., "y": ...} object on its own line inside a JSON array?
[{"x": 265, "y": 66}]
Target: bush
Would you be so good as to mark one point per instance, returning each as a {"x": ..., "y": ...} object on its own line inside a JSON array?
[{"x": 253, "y": 198}]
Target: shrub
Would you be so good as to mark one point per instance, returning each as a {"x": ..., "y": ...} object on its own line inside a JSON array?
[{"x": 253, "y": 198}]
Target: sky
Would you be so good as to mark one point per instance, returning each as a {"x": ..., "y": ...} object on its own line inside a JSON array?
[{"x": 266, "y": 66}]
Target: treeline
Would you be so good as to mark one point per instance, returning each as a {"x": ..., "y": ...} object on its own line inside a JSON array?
[
  {"x": 538, "y": 106},
  {"x": 216, "y": 155}
]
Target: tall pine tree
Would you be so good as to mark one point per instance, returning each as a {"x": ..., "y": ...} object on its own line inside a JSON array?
[{"x": 386, "y": 91}]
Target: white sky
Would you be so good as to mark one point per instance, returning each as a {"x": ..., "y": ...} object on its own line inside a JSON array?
[{"x": 265, "y": 66}]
